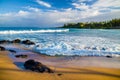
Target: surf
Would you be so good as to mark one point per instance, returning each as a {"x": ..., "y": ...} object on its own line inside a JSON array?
[{"x": 33, "y": 31}]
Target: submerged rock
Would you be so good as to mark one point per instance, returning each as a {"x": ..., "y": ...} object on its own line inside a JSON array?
[
  {"x": 94, "y": 48},
  {"x": 12, "y": 51},
  {"x": 2, "y": 48},
  {"x": 103, "y": 49},
  {"x": 21, "y": 56},
  {"x": 28, "y": 42},
  {"x": 36, "y": 66}
]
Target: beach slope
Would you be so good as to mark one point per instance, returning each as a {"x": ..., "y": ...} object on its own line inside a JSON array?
[{"x": 9, "y": 71}]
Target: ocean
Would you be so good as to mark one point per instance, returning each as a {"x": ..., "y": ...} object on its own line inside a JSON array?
[{"x": 67, "y": 42}]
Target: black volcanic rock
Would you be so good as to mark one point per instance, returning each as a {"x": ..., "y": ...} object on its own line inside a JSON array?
[
  {"x": 2, "y": 48},
  {"x": 108, "y": 56},
  {"x": 21, "y": 56},
  {"x": 28, "y": 42},
  {"x": 59, "y": 74},
  {"x": 16, "y": 41},
  {"x": 36, "y": 66},
  {"x": 12, "y": 51},
  {"x": 4, "y": 41}
]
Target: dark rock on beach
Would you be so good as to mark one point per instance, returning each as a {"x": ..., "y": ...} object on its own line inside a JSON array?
[
  {"x": 4, "y": 41},
  {"x": 28, "y": 42},
  {"x": 16, "y": 41},
  {"x": 36, "y": 66},
  {"x": 108, "y": 56},
  {"x": 59, "y": 74},
  {"x": 2, "y": 48},
  {"x": 12, "y": 51},
  {"x": 21, "y": 56}
]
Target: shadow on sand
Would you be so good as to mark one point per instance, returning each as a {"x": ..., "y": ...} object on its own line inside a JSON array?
[
  {"x": 88, "y": 72},
  {"x": 79, "y": 71}
]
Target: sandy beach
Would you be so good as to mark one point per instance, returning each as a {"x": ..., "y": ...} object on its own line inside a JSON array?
[
  {"x": 59, "y": 39},
  {"x": 66, "y": 68}
]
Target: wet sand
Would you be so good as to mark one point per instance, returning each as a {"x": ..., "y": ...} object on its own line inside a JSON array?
[{"x": 66, "y": 68}]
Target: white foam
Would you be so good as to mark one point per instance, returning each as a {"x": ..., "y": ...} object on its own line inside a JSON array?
[
  {"x": 33, "y": 31},
  {"x": 83, "y": 46},
  {"x": 69, "y": 44}
]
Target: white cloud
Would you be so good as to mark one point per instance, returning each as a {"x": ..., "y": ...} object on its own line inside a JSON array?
[
  {"x": 81, "y": 6},
  {"x": 6, "y": 14},
  {"x": 43, "y": 3},
  {"x": 99, "y": 7},
  {"x": 51, "y": 18},
  {"x": 84, "y": 0},
  {"x": 37, "y": 17},
  {"x": 103, "y": 17},
  {"x": 107, "y": 3},
  {"x": 22, "y": 13},
  {"x": 34, "y": 9}
]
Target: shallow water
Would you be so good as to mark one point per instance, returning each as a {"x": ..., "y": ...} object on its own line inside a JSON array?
[{"x": 57, "y": 41}]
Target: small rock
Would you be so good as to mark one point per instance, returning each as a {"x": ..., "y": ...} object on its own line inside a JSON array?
[
  {"x": 21, "y": 56},
  {"x": 2, "y": 48},
  {"x": 94, "y": 48},
  {"x": 12, "y": 51},
  {"x": 108, "y": 56},
  {"x": 28, "y": 42},
  {"x": 59, "y": 74},
  {"x": 16, "y": 41},
  {"x": 103, "y": 49},
  {"x": 4, "y": 41}
]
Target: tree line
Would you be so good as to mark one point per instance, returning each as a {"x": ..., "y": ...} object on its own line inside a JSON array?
[{"x": 111, "y": 24}]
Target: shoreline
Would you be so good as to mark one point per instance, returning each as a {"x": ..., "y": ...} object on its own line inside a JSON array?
[
  {"x": 69, "y": 68},
  {"x": 86, "y": 61},
  {"x": 85, "y": 51},
  {"x": 59, "y": 61}
]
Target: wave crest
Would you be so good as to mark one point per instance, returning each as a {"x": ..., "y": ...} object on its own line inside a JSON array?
[{"x": 33, "y": 31}]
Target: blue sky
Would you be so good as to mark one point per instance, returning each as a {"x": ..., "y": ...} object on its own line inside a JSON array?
[{"x": 52, "y": 13}]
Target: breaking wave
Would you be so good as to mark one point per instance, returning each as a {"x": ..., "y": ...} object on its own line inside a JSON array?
[{"x": 33, "y": 31}]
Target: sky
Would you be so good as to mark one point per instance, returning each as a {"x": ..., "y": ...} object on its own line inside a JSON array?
[{"x": 55, "y": 13}]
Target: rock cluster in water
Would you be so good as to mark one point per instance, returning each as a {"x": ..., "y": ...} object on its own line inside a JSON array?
[{"x": 26, "y": 42}]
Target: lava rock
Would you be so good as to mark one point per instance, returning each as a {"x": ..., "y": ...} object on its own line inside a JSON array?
[
  {"x": 12, "y": 51},
  {"x": 103, "y": 49},
  {"x": 16, "y": 41},
  {"x": 94, "y": 48},
  {"x": 108, "y": 56},
  {"x": 59, "y": 74},
  {"x": 2, "y": 48},
  {"x": 4, "y": 41},
  {"x": 36, "y": 66},
  {"x": 21, "y": 56},
  {"x": 28, "y": 42}
]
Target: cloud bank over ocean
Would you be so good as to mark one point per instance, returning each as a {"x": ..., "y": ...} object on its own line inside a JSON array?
[{"x": 46, "y": 13}]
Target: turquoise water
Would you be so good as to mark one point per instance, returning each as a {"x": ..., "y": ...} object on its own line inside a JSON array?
[{"x": 57, "y": 41}]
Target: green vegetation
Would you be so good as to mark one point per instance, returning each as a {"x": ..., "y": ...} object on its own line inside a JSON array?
[{"x": 112, "y": 24}]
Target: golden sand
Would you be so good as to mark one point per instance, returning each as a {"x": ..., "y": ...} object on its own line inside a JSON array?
[{"x": 9, "y": 71}]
